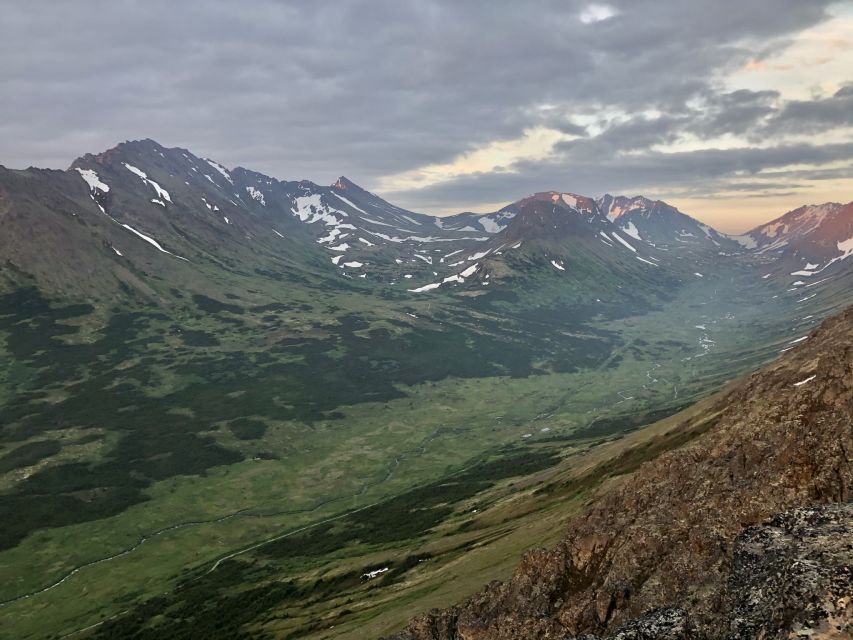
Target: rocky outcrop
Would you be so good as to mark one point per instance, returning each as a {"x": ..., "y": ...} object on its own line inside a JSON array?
[
  {"x": 793, "y": 577},
  {"x": 679, "y": 549}
]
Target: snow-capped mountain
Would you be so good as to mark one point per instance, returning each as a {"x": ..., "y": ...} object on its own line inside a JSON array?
[
  {"x": 184, "y": 205},
  {"x": 660, "y": 223},
  {"x": 141, "y": 211},
  {"x": 560, "y": 242},
  {"x": 807, "y": 252},
  {"x": 818, "y": 236}
]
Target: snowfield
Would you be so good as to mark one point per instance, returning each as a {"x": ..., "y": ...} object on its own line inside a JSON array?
[{"x": 93, "y": 180}]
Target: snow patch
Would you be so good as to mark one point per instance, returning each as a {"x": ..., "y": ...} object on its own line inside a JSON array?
[
  {"x": 490, "y": 226},
  {"x": 372, "y": 574},
  {"x": 372, "y": 221},
  {"x": 426, "y": 287},
  {"x": 469, "y": 271},
  {"x": 421, "y": 239},
  {"x": 807, "y": 380},
  {"x": 459, "y": 278},
  {"x": 256, "y": 195},
  {"x": 619, "y": 238},
  {"x": 161, "y": 192},
  {"x": 92, "y": 179},
  {"x": 220, "y": 169},
  {"x": 632, "y": 231},
  {"x": 477, "y": 256},
  {"x": 151, "y": 241},
  {"x": 570, "y": 200},
  {"x": 615, "y": 210},
  {"x": 340, "y": 197}
]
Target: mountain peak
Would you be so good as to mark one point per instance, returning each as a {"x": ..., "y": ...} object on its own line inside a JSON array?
[
  {"x": 616, "y": 206},
  {"x": 145, "y": 147},
  {"x": 808, "y": 216},
  {"x": 561, "y": 198},
  {"x": 345, "y": 184},
  {"x": 816, "y": 235}
]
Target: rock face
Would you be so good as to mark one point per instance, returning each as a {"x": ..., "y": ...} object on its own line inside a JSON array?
[
  {"x": 796, "y": 574},
  {"x": 691, "y": 546}
]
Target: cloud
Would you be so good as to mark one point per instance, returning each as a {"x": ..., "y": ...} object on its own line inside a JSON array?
[
  {"x": 419, "y": 88},
  {"x": 596, "y": 13},
  {"x": 810, "y": 116},
  {"x": 734, "y": 113},
  {"x": 702, "y": 172}
]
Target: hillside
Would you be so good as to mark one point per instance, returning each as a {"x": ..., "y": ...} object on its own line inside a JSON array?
[{"x": 691, "y": 544}]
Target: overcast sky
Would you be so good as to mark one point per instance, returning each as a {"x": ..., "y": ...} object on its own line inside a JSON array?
[{"x": 734, "y": 110}]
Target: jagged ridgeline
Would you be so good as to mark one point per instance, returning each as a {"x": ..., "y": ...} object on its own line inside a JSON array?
[{"x": 304, "y": 405}]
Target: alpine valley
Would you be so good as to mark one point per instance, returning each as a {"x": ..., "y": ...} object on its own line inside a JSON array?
[{"x": 238, "y": 407}]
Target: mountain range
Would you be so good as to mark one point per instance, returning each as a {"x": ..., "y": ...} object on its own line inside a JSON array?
[
  {"x": 117, "y": 210},
  {"x": 228, "y": 401}
]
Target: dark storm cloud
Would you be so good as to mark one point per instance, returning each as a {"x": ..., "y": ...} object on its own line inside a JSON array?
[
  {"x": 810, "y": 116},
  {"x": 367, "y": 89},
  {"x": 636, "y": 133},
  {"x": 737, "y": 112}
]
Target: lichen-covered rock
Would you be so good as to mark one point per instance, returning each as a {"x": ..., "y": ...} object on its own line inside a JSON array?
[
  {"x": 658, "y": 624},
  {"x": 794, "y": 576}
]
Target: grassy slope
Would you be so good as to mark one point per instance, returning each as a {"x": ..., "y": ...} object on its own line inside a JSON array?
[{"x": 362, "y": 453}]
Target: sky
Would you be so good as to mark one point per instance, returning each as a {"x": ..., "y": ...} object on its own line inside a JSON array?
[{"x": 735, "y": 111}]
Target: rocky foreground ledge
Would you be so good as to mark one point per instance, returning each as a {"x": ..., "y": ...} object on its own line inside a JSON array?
[{"x": 791, "y": 578}]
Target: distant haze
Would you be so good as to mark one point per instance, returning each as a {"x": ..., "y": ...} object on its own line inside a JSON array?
[{"x": 733, "y": 111}]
